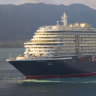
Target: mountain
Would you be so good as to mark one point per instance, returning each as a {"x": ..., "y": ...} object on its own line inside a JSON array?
[{"x": 19, "y": 22}]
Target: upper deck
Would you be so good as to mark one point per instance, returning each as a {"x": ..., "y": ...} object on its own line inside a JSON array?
[{"x": 71, "y": 27}]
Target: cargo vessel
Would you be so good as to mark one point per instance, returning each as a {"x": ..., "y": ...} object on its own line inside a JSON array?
[{"x": 58, "y": 51}]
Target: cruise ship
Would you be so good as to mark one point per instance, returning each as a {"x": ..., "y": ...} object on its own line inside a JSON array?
[{"x": 58, "y": 51}]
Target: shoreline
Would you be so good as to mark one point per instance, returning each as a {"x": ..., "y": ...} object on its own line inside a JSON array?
[{"x": 12, "y": 44}]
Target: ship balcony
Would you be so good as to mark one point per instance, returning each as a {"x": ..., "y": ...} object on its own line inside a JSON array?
[{"x": 30, "y": 46}]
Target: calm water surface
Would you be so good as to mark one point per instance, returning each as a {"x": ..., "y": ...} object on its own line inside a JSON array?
[{"x": 12, "y": 82}]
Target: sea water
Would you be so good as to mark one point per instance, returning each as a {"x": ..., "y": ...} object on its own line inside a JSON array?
[{"x": 13, "y": 83}]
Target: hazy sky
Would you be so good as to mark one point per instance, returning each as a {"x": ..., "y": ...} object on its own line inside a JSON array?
[{"x": 91, "y": 3}]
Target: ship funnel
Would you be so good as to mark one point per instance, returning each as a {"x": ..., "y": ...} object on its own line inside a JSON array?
[{"x": 64, "y": 19}]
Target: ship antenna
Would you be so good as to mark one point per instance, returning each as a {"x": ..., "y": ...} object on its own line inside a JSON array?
[
  {"x": 57, "y": 23},
  {"x": 64, "y": 19}
]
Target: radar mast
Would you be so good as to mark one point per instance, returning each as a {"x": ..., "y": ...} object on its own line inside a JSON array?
[{"x": 64, "y": 19}]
